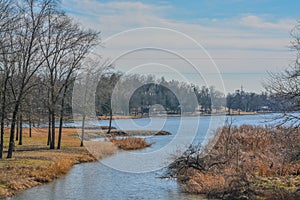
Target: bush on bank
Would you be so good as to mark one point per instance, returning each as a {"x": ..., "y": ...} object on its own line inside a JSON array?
[{"x": 246, "y": 162}]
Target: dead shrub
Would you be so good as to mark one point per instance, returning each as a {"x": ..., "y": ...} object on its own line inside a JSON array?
[
  {"x": 240, "y": 156},
  {"x": 130, "y": 143}
]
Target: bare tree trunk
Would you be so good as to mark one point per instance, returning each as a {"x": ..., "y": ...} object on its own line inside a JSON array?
[
  {"x": 60, "y": 130},
  {"x": 61, "y": 117},
  {"x": 82, "y": 130},
  {"x": 110, "y": 120},
  {"x": 17, "y": 128},
  {"x": 49, "y": 130},
  {"x": 2, "y": 139},
  {"x": 52, "y": 143},
  {"x": 21, "y": 129},
  {"x": 2, "y": 121},
  {"x": 12, "y": 131},
  {"x": 30, "y": 125},
  {"x": 2, "y": 135}
]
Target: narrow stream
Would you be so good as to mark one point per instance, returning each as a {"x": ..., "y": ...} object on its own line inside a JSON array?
[{"x": 93, "y": 181}]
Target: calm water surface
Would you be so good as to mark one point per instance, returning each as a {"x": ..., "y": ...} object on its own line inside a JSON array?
[{"x": 93, "y": 181}]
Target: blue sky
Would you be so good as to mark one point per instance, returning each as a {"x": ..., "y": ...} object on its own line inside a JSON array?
[
  {"x": 195, "y": 9},
  {"x": 245, "y": 39},
  {"x": 231, "y": 8}
]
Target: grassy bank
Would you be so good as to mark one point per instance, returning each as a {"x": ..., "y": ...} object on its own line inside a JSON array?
[
  {"x": 34, "y": 164},
  {"x": 246, "y": 162}
]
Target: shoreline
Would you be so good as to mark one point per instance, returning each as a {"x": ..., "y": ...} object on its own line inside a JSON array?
[
  {"x": 34, "y": 164},
  {"x": 233, "y": 113}
]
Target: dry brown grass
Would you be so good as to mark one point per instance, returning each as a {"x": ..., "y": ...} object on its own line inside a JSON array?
[
  {"x": 130, "y": 143},
  {"x": 246, "y": 161},
  {"x": 100, "y": 150},
  {"x": 203, "y": 183},
  {"x": 34, "y": 163}
]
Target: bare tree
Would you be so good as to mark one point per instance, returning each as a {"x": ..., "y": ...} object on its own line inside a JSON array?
[
  {"x": 64, "y": 45},
  {"x": 83, "y": 98},
  {"x": 113, "y": 81},
  {"x": 286, "y": 84},
  {"x": 39, "y": 45},
  {"x": 85, "y": 40},
  {"x": 28, "y": 54},
  {"x": 8, "y": 19}
]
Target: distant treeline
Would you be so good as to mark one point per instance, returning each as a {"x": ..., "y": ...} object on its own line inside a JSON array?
[
  {"x": 252, "y": 102},
  {"x": 146, "y": 91}
]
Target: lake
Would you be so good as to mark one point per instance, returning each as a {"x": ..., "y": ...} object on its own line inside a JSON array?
[{"x": 135, "y": 174}]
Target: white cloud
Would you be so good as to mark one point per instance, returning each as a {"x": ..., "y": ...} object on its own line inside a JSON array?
[
  {"x": 249, "y": 41},
  {"x": 95, "y": 7},
  {"x": 112, "y": 17},
  {"x": 258, "y": 22}
]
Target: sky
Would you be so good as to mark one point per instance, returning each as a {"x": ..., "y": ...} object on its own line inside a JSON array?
[{"x": 225, "y": 43}]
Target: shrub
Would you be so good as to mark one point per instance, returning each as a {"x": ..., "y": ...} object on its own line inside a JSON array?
[
  {"x": 130, "y": 143},
  {"x": 240, "y": 156}
]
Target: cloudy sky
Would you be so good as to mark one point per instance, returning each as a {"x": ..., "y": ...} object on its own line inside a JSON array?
[{"x": 235, "y": 42}]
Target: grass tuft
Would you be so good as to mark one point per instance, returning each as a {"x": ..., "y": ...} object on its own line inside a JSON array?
[{"x": 130, "y": 143}]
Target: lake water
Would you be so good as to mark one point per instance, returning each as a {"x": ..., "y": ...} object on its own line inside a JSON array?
[{"x": 128, "y": 175}]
